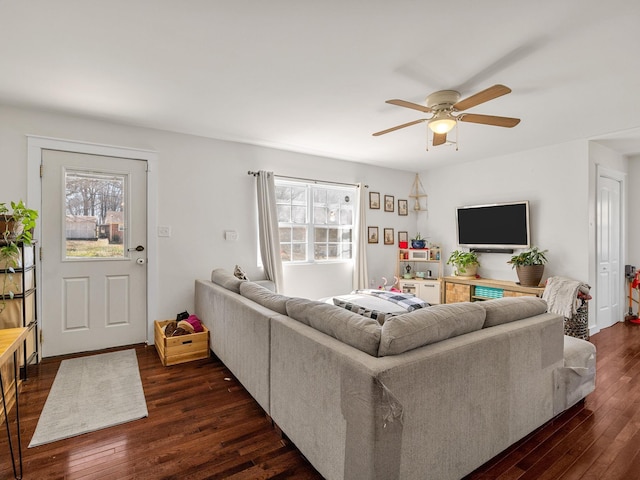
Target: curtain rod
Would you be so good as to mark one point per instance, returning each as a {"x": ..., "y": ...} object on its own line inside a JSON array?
[{"x": 310, "y": 180}]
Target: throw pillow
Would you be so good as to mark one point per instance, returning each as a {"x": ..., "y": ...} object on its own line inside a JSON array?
[{"x": 239, "y": 273}]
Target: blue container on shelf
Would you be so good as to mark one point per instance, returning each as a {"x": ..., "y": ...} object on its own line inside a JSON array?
[{"x": 418, "y": 243}]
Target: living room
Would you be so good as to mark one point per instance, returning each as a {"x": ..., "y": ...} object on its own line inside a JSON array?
[{"x": 200, "y": 179}]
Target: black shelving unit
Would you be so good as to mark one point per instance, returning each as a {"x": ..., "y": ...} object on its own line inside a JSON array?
[{"x": 21, "y": 309}]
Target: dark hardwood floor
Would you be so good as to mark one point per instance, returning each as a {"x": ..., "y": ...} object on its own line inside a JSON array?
[{"x": 202, "y": 424}]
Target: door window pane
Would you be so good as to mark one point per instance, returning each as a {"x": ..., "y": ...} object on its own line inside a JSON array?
[{"x": 94, "y": 223}]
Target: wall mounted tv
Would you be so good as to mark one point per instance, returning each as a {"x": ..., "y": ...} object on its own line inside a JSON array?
[{"x": 499, "y": 227}]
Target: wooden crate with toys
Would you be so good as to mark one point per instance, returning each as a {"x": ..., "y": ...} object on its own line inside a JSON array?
[{"x": 177, "y": 343}]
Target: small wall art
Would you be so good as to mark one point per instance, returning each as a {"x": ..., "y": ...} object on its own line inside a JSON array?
[
  {"x": 403, "y": 207},
  {"x": 374, "y": 200},
  {"x": 388, "y": 236},
  {"x": 372, "y": 234},
  {"x": 388, "y": 203}
]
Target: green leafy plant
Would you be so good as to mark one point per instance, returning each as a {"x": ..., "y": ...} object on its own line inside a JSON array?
[
  {"x": 461, "y": 260},
  {"x": 532, "y": 256},
  {"x": 19, "y": 222}
]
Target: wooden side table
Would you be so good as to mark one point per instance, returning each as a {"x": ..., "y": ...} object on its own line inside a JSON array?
[{"x": 10, "y": 340}]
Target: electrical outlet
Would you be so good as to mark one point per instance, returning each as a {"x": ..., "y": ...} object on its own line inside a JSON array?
[
  {"x": 164, "y": 231},
  {"x": 231, "y": 235}
]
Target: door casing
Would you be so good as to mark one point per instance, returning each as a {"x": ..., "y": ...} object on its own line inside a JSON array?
[{"x": 35, "y": 145}]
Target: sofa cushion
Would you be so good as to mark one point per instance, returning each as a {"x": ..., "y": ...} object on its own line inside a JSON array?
[
  {"x": 264, "y": 296},
  {"x": 377, "y": 315},
  {"x": 429, "y": 325},
  {"x": 510, "y": 309},
  {"x": 225, "y": 279},
  {"x": 360, "y": 332}
]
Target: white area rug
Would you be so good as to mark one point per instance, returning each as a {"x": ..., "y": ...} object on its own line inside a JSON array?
[{"x": 91, "y": 393}]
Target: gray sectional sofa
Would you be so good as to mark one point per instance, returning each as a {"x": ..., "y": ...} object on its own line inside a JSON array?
[{"x": 431, "y": 394}]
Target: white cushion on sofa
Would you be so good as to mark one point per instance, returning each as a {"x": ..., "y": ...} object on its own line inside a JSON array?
[
  {"x": 360, "y": 332},
  {"x": 429, "y": 325},
  {"x": 510, "y": 309},
  {"x": 226, "y": 279},
  {"x": 264, "y": 296}
]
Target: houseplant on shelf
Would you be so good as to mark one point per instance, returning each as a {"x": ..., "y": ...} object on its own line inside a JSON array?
[
  {"x": 529, "y": 266},
  {"x": 16, "y": 227},
  {"x": 465, "y": 264},
  {"x": 418, "y": 241}
]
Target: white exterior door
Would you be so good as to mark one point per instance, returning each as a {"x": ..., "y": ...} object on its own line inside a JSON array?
[
  {"x": 609, "y": 234},
  {"x": 94, "y": 273}
]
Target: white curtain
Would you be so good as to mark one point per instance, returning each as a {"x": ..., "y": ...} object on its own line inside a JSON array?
[
  {"x": 268, "y": 227},
  {"x": 360, "y": 275}
]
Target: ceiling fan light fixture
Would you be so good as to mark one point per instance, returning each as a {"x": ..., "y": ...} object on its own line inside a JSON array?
[{"x": 442, "y": 123}]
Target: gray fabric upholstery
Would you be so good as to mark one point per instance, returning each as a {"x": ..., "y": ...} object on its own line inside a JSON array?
[
  {"x": 510, "y": 309},
  {"x": 264, "y": 297},
  {"x": 429, "y": 325},
  {"x": 226, "y": 279},
  {"x": 435, "y": 412},
  {"x": 239, "y": 336},
  {"x": 578, "y": 377},
  {"x": 360, "y": 332}
]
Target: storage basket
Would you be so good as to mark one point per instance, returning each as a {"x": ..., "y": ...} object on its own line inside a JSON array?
[{"x": 578, "y": 325}]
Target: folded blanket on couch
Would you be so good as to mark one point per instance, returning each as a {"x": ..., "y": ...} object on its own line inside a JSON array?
[{"x": 405, "y": 300}]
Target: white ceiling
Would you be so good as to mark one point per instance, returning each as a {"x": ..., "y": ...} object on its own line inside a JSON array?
[{"x": 312, "y": 76}]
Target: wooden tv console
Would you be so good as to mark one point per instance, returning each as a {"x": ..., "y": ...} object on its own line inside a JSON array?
[{"x": 460, "y": 289}]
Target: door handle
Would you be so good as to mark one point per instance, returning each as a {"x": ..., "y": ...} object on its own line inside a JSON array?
[{"x": 139, "y": 248}]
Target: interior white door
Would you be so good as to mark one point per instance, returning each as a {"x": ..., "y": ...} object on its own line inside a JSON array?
[
  {"x": 609, "y": 234},
  {"x": 93, "y": 264}
]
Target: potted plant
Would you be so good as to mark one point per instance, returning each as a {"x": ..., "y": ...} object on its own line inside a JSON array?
[
  {"x": 418, "y": 241},
  {"x": 465, "y": 264},
  {"x": 529, "y": 266},
  {"x": 16, "y": 227}
]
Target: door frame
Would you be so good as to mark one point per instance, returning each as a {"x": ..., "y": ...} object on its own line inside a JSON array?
[
  {"x": 618, "y": 176},
  {"x": 35, "y": 145}
]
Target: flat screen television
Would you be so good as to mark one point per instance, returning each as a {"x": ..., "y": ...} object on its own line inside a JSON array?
[{"x": 500, "y": 226}]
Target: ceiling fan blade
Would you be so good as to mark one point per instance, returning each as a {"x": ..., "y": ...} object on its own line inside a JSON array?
[
  {"x": 481, "y": 97},
  {"x": 404, "y": 103},
  {"x": 489, "y": 120},
  {"x": 398, "y": 127},
  {"x": 439, "y": 139}
]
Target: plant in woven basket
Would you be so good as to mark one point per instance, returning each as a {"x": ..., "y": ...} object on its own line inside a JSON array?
[
  {"x": 16, "y": 227},
  {"x": 529, "y": 265}
]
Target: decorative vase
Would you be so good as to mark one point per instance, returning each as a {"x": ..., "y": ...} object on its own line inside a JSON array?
[
  {"x": 418, "y": 243},
  {"x": 529, "y": 275}
]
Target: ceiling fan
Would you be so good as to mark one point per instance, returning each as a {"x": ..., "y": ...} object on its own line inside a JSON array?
[{"x": 446, "y": 106}]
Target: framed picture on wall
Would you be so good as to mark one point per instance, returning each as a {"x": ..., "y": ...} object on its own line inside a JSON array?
[
  {"x": 403, "y": 237},
  {"x": 403, "y": 207},
  {"x": 372, "y": 234},
  {"x": 388, "y": 236},
  {"x": 388, "y": 203},
  {"x": 374, "y": 200}
]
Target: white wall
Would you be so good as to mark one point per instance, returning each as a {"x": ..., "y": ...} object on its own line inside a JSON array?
[
  {"x": 204, "y": 190},
  {"x": 555, "y": 182},
  {"x": 633, "y": 223}
]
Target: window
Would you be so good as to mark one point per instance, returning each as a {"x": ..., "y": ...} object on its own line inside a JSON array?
[{"x": 315, "y": 221}]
